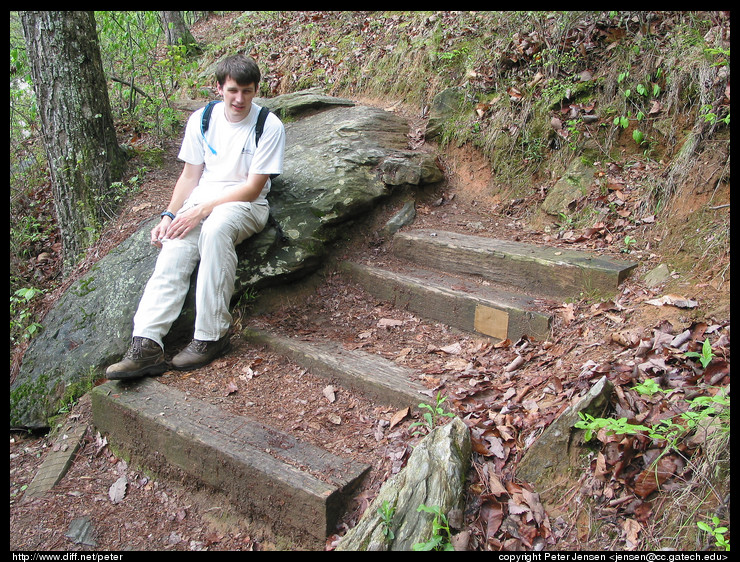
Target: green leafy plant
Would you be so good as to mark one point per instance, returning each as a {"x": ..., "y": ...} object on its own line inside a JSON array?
[
  {"x": 22, "y": 324},
  {"x": 629, "y": 241},
  {"x": 453, "y": 57},
  {"x": 717, "y": 531},
  {"x": 621, "y": 121},
  {"x": 619, "y": 426},
  {"x": 649, "y": 387},
  {"x": 637, "y": 100},
  {"x": 711, "y": 117},
  {"x": 706, "y": 355},
  {"x": 387, "y": 511},
  {"x": 432, "y": 414},
  {"x": 564, "y": 221},
  {"x": 722, "y": 55},
  {"x": 667, "y": 430},
  {"x": 440, "y": 539}
]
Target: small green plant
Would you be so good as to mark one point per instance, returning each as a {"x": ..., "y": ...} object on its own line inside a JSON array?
[
  {"x": 638, "y": 98},
  {"x": 629, "y": 242},
  {"x": 432, "y": 414},
  {"x": 622, "y": 121},
  {"x": 722, "y": 55},
  {"x": 440, "y": 539},
  {"x": 717, "y": 531},
  {"x": 24, "y": 233},
  {"x": 709, "y": 116},
  {"x": 22, "y": 324},
  {"x": 453, "y": 57},
  {"x": 667, "y": 430},
  {"x": 565, "y": 221},
  {"x": 619, "y": 426},
  {"x": 649, "y": 387},
  {"x": 706, "y": 355},
  {"x": 572, "y": 126},
  {"x": 387, "y": 511}
]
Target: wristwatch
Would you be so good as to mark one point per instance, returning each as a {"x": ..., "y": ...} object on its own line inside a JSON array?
[{"x": 167, "y": 214}]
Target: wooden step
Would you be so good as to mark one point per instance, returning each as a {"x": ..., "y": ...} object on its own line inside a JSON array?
[
  {"x": 369, "y": 374},
  {"x": 462, "y": 304},
  {"x": 297, "y": 487},
  {"x": 540, "y": 270}
]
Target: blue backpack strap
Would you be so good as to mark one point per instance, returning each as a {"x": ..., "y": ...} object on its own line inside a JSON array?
[
  {"x": 205, "y": 121},
  {"x": 206, "y": 118},
  {"x": 259, "y": 127}
]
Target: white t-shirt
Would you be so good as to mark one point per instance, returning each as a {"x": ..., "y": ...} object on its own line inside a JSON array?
[{"x": 235, "y": 153}]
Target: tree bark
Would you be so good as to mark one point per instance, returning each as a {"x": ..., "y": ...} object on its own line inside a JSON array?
[
  {"x": 79, "y": 137},
  {"x": 176, "y": 30}
]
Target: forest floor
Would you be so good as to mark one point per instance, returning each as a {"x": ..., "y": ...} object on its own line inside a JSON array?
[
  {"x": 589, "y": 339},
  {"x": 607, "y": 505}
]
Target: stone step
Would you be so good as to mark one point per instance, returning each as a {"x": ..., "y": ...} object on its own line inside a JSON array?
[
  {"x": 298, "y": 488},
  {"x": 459, "y": 303},
  {"x": 369, "y": 374},
  {"x": 539, "y": 270}
]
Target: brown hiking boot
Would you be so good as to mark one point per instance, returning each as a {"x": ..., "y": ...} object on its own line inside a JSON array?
[
  {"x": 144, "y": 357},
  {"x": 199, "y": 353}
]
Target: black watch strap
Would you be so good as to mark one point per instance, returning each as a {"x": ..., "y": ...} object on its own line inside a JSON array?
[{"x": 167, "y": 214}]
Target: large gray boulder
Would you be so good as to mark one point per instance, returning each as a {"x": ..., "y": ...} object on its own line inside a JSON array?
[{"x": 340, "y": 161}]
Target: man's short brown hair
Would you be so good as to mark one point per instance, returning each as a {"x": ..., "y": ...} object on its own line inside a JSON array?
[{"x": 241, "y": 68}]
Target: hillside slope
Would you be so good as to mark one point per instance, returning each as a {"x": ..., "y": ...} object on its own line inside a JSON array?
[{"x": 541, "y": 92}]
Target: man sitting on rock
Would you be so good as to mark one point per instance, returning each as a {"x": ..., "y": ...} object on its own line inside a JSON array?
[{"x": 218, "y": 201}]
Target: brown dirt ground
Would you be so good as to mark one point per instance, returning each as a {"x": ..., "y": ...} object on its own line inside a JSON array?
[{"x": 165, "y": 515}]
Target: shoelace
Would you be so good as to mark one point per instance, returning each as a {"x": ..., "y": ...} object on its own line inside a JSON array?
[
  {"x": 198, "y": 346},
  {"x": 135, "y": 351}
]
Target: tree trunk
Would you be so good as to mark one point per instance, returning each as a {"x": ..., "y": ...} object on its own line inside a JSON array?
[
  {"x": 177, "y": 31},
  {"x": 79, "y": 137}
]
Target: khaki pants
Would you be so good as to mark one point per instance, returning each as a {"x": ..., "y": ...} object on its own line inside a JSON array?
[{"x": 213, "y": 244}]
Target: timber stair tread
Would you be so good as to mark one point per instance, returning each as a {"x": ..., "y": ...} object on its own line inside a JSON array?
[
  {"x": 370, "y": 374},
  {"x": 293, "y": 484},
  {"x": 548, "y": 271},
  {"x": 455, "y": 301}
]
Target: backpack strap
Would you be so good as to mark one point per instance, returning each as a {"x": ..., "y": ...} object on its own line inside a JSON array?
[
  {"x": 206, "y": 118},
  {"x": 260, "y": 126},
  {"x": 205, "y": 121}
]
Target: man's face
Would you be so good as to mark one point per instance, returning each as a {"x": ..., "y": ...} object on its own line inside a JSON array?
[{"x": 237, "y": 98}]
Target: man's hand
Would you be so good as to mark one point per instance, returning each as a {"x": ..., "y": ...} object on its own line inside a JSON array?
[
  {"x": 186, "y": 221},
  {"x": 159, "y": 232},
  {"x": 179, "y": 227}
]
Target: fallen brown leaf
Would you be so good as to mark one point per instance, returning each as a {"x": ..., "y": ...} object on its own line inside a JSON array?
[
  {"x": 492, "y": 515},
  {"x": 632, "y": 532},
  {"x": 398, "y": 417},
  {"x": 654, "y": 475}
]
